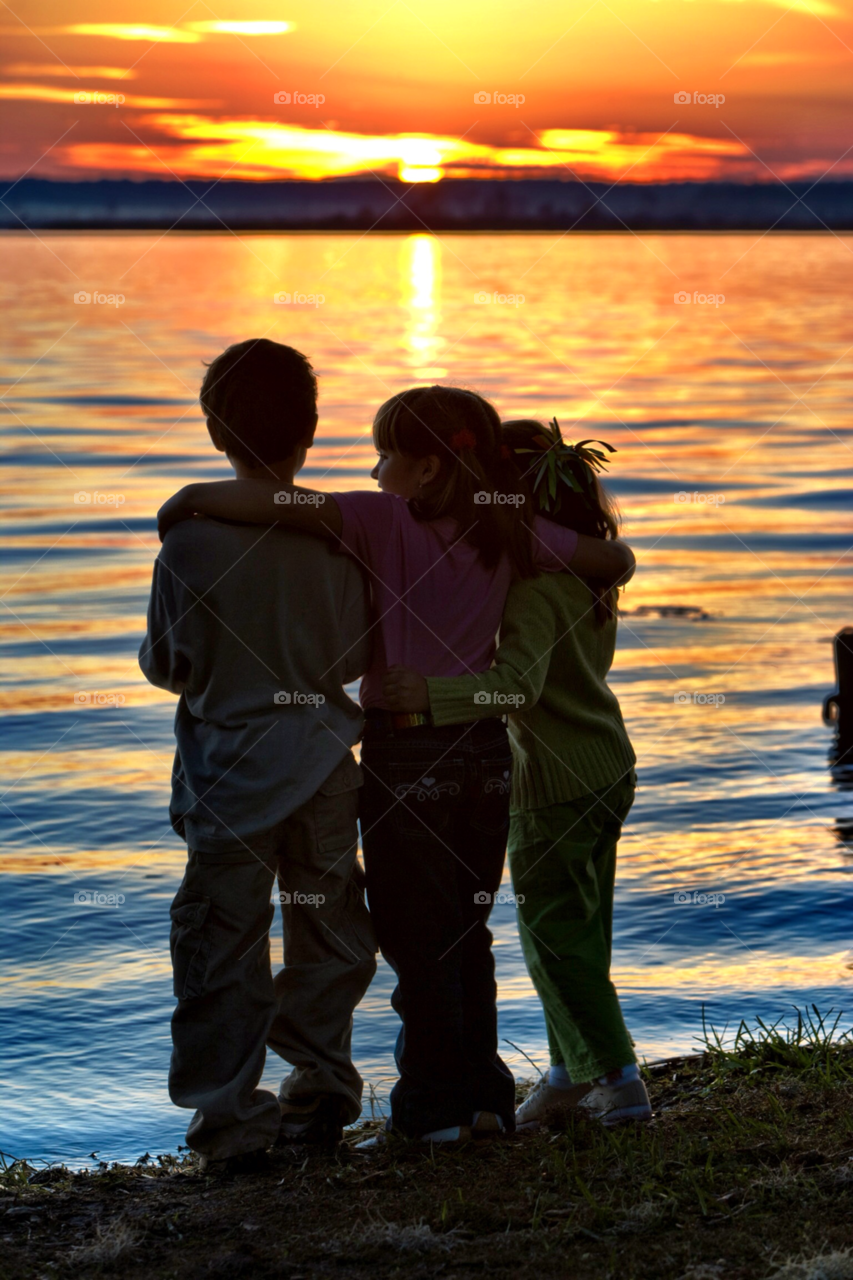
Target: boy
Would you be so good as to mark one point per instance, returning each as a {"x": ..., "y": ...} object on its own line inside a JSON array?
[{"x": 258, "y": 630}]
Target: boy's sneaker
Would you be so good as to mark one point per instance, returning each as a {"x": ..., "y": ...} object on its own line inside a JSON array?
[
  {"x": 618, "y": 1098},
  {"x": 248, "y": 1162},
  {"x": 545, "y": 1103},
  {"x": 487, "y": 1124},
  {"x": 319, "y": 1122},
  {"x": 456, "y": 1136},
  {"x": 370, "y": 1146}
]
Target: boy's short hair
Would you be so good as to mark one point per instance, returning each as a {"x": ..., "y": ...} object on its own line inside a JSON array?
[{"x": 260, "y": 400}]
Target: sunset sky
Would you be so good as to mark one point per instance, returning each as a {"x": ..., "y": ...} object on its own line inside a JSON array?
[{"x": 424, "y": 91}]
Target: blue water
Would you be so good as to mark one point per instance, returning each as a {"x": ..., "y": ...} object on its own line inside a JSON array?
[{"x": 736, "y": 800}]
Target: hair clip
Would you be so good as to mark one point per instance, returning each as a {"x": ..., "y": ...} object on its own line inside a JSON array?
[{"x": 463, "y": 439}]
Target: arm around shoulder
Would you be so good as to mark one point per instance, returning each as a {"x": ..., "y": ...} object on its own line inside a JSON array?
[
  {"x": 609, "y": 560},
  {"x": 263, "y": 502}
]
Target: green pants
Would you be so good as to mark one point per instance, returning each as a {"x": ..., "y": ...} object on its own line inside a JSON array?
[{"x": 563, "y": 863}]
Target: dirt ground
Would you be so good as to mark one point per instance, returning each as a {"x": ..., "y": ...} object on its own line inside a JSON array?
[{"x": 742, "y": 1174}]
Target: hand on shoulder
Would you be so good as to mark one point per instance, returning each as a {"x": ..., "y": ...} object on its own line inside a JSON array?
[{"x": 179, "y": 507}]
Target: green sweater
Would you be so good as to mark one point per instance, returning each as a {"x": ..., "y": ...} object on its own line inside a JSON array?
[{"x": 567, "y": 733}]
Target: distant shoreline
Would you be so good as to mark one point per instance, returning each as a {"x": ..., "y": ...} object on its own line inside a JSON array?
[{"x": 461, "y": 205}]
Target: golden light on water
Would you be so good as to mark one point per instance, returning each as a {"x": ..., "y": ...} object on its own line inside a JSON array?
[{"x": 420, "y": 271}]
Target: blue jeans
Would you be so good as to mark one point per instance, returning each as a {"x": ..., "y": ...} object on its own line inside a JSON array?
[{"x": 434, "y": 821}]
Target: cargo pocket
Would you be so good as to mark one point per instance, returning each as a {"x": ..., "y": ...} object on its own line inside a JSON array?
[
  {"x": 335, "y": 808},
  {"x": 190, "y": 945}
]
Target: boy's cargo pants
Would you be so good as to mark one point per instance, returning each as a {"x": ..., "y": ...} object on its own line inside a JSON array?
[{"x": 229, "y": 1005}]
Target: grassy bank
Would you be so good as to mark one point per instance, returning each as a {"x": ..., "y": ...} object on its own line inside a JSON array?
[{"x": 745, "y": 1172}]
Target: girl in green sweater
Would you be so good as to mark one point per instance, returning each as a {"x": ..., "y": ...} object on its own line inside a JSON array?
[{"x": 572, "y": 786}]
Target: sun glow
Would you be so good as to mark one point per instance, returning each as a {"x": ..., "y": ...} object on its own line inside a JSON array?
[
  {"x": 241, "y": 28},
  {"x": 257, "y": 149}
]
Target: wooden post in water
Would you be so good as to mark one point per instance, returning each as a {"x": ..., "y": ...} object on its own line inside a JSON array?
[{"x": 838, "y": 707}]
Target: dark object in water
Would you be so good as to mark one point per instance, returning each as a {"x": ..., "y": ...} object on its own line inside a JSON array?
[
  {"x": 687, "y": 612},
  {"x": 838, "y": 707}
]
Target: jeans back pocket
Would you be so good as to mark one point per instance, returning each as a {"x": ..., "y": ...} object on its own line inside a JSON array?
[{"x": 424, "y": 798}]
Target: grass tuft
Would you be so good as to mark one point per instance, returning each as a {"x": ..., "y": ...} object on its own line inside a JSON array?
[
  {"x": 826, "y": 1266},
  {"x": 811, "y": 1047}
]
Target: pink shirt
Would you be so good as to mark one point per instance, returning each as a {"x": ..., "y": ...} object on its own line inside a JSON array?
[{"x": 437, "y": 607}]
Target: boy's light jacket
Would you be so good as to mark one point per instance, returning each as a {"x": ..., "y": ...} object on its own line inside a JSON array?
[{"x": 258, "y": 630}]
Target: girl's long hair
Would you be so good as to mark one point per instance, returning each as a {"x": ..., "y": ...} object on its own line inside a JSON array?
[
  {"x": 594, "y": 513},
  {"x": 477, "y": 475}
]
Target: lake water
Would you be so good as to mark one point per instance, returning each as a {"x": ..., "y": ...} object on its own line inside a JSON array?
[{"x": 732, "y": 421}]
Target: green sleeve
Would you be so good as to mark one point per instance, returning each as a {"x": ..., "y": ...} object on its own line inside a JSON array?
[{"x": 521, "y": 665}]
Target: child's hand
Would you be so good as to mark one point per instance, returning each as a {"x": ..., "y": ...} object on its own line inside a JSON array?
[
  {"x": 405, "y": 689},
  {"x": 177, "y": 508}
]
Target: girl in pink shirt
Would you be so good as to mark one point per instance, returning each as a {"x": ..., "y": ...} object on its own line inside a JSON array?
[{"x": 441, "y": 542}]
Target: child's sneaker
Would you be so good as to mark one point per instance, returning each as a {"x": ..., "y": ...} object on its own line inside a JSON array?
[
  {"x": 487, "y": 1124},
  {"x": 618, "y": 1098},
  {"x": 545, "y": 1103},
  {"x": 370, "y": 1146},
  {"x": 455, "y": 1136},
  {"x": 320, "y": 1122}
]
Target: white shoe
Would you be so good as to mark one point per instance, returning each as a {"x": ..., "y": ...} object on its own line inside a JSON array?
[
  {"x": 487, "y": 1124},
  {"x": 454, "y": 1136},
  {"x": 545, "y": 1103},
  {"x": 618, "y": 1102}
]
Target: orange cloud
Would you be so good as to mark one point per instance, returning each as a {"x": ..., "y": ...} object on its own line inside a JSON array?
[
  {"x": 131, "y": 31},
  {"x": 86, "y": 97},
  {"x": 261, "y": 150},
  {"x": 180, "y": 33},
  {"x": 62, "y": 72}
]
